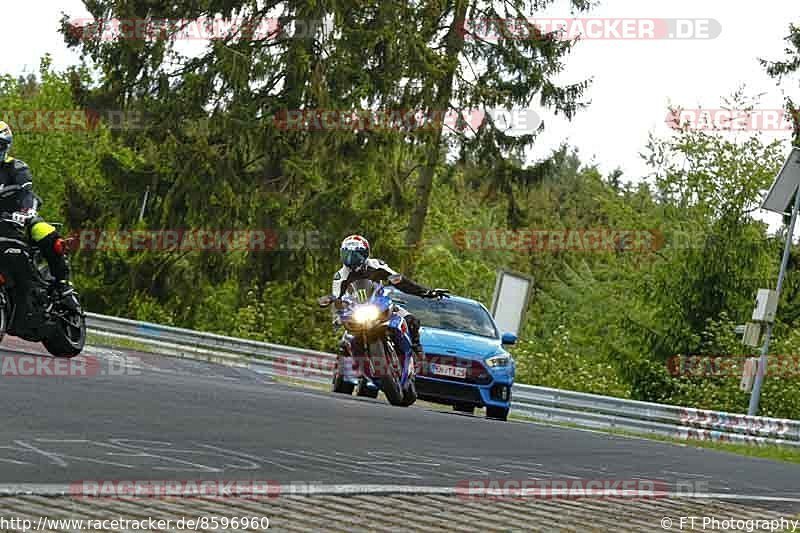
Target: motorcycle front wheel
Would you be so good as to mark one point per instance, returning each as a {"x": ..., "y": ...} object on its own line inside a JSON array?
[
  {"x": 410, "y": 395},
  {"x": 390, "y": 382},
  {"x": 69, "y": 336}
]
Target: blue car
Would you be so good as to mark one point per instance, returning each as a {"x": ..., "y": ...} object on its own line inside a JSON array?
[{"x": 465, "y": 364}]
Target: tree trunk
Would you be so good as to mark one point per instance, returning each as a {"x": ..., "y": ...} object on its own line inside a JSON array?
[{"x": 444, "y": 92}]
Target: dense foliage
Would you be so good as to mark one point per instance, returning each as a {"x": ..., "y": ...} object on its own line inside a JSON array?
[{"x": 209, "y": 153}]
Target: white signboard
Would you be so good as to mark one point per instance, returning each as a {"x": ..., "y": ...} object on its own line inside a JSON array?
[{"x": 511, "y": 295}]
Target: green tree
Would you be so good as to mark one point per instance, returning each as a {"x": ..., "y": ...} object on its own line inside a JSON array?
[{"x": 786, "y": 68}]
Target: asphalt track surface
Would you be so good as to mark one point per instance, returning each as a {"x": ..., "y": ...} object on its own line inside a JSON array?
[{"x": 147, "y": 417}]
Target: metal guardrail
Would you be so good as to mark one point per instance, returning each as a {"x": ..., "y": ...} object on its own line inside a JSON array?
[
  {"x": 272, "y": 359},
  {"x": 604, "y": 412},
  {"x": 542, "y": 403}
]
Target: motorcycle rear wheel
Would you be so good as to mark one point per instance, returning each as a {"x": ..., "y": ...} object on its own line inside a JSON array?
[{"x": 3, "y": 321}]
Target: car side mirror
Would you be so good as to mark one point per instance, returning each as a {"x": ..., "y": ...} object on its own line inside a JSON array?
[{"x": 509, "y": 338}]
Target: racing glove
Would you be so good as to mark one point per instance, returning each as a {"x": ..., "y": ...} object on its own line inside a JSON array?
[{"x": 437, "y": 293}]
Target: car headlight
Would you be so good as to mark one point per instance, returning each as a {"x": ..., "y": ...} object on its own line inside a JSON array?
[
  {"x": 498, "y": 361},
  {"x": 366, "y": 313}
]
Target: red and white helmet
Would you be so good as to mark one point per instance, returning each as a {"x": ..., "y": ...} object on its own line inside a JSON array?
[{"x": 354, "y": 251}]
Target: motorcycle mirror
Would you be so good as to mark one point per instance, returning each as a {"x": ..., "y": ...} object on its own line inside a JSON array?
[
  {"x": 325, "y": 301},
  {"x": 395, "y": 279}
]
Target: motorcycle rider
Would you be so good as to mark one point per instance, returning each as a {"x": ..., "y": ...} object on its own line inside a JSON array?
[
  {"x": 357, "y": 264},
  {"x": 18, "y": 200}
]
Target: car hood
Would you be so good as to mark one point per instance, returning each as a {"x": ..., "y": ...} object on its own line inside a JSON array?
[{"x": 445, "y": 342}]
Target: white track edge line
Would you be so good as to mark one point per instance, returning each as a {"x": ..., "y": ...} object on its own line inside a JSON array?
[{"x": 56, "y": 489}]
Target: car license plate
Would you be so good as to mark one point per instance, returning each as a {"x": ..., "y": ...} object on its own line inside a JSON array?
[{"x": 449, "y": 371}]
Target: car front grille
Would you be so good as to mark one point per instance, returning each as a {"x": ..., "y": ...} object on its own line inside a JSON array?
[
  {"x": 476, "y": 371},
  {"x": 445, "y": 390}
]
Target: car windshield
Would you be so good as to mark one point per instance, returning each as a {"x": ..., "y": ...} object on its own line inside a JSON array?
[{"x": 452, "y": 315}]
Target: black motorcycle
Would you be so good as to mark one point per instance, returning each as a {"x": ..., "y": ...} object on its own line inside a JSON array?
[{"x": 29, "y": 308}]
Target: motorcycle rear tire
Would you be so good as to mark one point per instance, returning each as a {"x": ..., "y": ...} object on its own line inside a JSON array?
[{"x": 3, "y": 321}]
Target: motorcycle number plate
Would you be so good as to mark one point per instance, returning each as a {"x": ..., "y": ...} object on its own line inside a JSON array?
[{"x": 448, "y": 371}]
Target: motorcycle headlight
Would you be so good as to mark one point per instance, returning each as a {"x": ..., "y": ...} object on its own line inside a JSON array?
[
  {"x": 498, "y": 361},
  {"x": 366, "y": 313}
]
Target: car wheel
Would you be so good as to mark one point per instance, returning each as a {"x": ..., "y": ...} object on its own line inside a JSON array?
[
  {"x": 500, "y": 413},
  {"x": 464, "y": 408}
]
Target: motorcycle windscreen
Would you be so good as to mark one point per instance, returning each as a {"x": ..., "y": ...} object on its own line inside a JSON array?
[{"x": 361, "y": 290}]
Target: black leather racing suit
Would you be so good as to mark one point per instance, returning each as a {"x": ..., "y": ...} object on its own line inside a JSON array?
[{"x": 17, "y": 196}]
